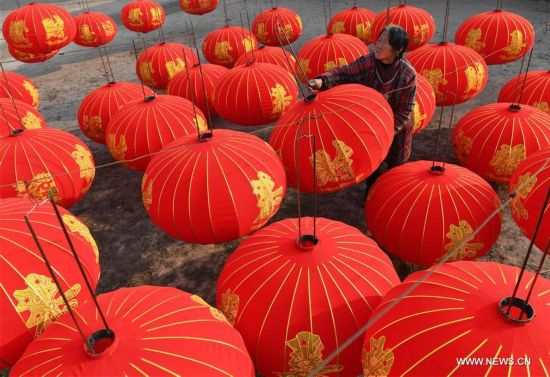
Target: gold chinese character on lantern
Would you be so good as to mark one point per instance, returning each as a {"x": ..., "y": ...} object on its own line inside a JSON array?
[
  {"x": 156, "y": 16},
  {"x": 336, "y": 170},
  {"x": 421, "y": 33},
  {"x": 31, "y": 121},
  {"x": 147, "y": 194},
  {"x": 93, "y": 126},
  {"x": 174, "y": 67},
  {"x": 249, "y": 44},
  {"x": 75, "y": 226},
  {"x": 543, "y": 106},
  {"x": 507, "y": 158},
  {"x": 86, "y": 34},
  {"x": 42, "y": 186},
  {"x": 364, "y": 31},
  {"x": 268, "y": 197},
  {"x": 473, "y": 40},
  {"x": 474, "y": 77},
  {"x": 338, "y": 27},
  {"x": 279, "y": 99},
  {"x": 18, "y": 34},
  {"x": 522, "y": 188},
  {"x": 117, "y": 150},
  {"x": 134, "y": 17},
  {"x": 109, "y": 28},
  {"x": 261, "y": 32},
  {"x": 83, "y": 158},
  {"x": 33, "y": 92},
  {"x": 331, "y": 64},
  {"x": 230, "y": 306},
  {"x": 54, "y": 28},
  {"x": 146, "y": 73},
  {"x": 304, "y": 71},
  {"x": 377, "y": 361},
  {"x": 418, "y": 117},
  {"x": 221, "y": 51},
  {"x": 457, "y": 235},
  {"x": 517, "y": 44},
  {"x": 436, "y": 78}
]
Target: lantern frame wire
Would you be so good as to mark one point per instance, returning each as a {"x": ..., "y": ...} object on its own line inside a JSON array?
[
  {"x": 524, "y": 78},
  {"x": 192, "y": 92}
]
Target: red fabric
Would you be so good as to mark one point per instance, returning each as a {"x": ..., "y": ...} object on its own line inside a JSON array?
[
  {"x": 419, "y": 216},
  {"x": 159, "y": 331},
  {"x": 29, "y": 57},
  {"x": 272, "y": 290},
  {"x": 142, "y": 16},
  {"x": 424, "y": 104},
  {"x": 353, "y": 21},
  {"x": 99, "y": 106},
  {"x": 254, "y": 94},
  {"x": 20, "y": 258},
  {"x": 451, "y": 69},
  {"x": 531, "y": 187},
  {"x": 493, "y": 139},
  {"x": 46, "y": 159},
  {"x": 19, "y": 87},
  {"x": 145, "y": 126},
  {"x": 198, "y": 7},
  {"x": 216, "y": 190},
  {"x": 455, "y": 314},
  {"x": 536, "y": 92},
  {"x": 225, "y": 45},
  {"x": 498, "y": 36},
  {"x": 267, "y": 25},
  {"x": 271, "y": 55},
  {"x": 353, "y": 128},
  {"x": 10, "y": 116},
  {"x": 94, "y": 29},
  {"x": 418, "y": 23},
  {"x": 39, "y": 28}
]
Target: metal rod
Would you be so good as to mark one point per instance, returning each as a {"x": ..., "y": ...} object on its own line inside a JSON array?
[
  {"x": 193, "y": 99},
  {"x": 141, "y": 81},
  {"x": 446, "y": 23},
  {"x": 106, "y": 74},
  {"x": 537, "y": 274},
  {"x": 11, "y": 129},
  {"x": 207, "y": 102},
  {"x": 225, "y": 13},
  {"x": 298, "y": 191},
  {"x": 8, "y": 86},
  {"x": 388, "y": 13},
  {"x": 314, "y": 187},
  {"x": 519, "y": 79},
  {"x": 109, "y": 63},
  {"x": 446, "y": 154},
  {"x": 325, "y": 12},
  {"x": 249, "y": 30},
  {"x": 244, "y": 38},
  {"x": 526, "y": 72},
  {"x": 438, "y": 132}
]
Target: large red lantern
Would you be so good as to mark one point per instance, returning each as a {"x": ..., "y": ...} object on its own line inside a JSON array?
[
  {"x": 16, "y": 86},
  {"x": 29, "y": 299},
  {"x": 154, "y": 331},
  {"x": 424, "y": 104},
  {"x": 267, "y": 25},
  {"x": 143, "y": 127},
  {"x": 531, "y": 185},
  {"x": 198, "y": 7},
  {"x": 451, "y": 324},
  {"x": 142, "y": 16},
  {"x": 158, "y": 64},
  {"x": 295, "y": 302},
  {"x": 30, "y": 57},
  {"x": 226, "y": 187},
  {"x": 39, "y": 28},
  {"x": 225, "y": 45},
  {"x": 493, "y": 139},
  {"x": 94, "y": 29},
  {"x": 329, "y": 51},
  {"x": 254, "y": 94},
  {"x": 20, "y": 116},
  {"x": 536, "y": 92},
  {"x": 351, "y": 128},
  {"x": 43, "y": 162},
  {"x": 498, "y": 36},
  {"x": 456, "y": 73},
  {"x": 271, "y": 55},
  {"x": 419, "y": 213},
  {"x": 353, "y": 21},
  {"x": 99, "y": 106},
  {"x": 418, "y": 23}
]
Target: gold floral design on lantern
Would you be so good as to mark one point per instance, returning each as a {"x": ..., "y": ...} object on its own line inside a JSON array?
[
  {"x": 156, "y": 16},
  {"x": 332, "y": 64},
  {"x": 33, "y": 92},
  {"x": 76, "y": 226},
  {"x": 54, "y": 30},
  {"x": 268, "y": 198},
  {"x": 364, "y": 31},
  {"x": 146, "y": 73},
  {"x": 304, "y": 71},
  {"x": 174, "y": 67},
  {"x": 338, "y": 27},
  {"x": 507, "y": 158},
  {"x": 221, "y": 51},
  {"x": 418, "y": 117},
  {"x": 525, "y": 183},
  {"x": 517, "y": 44},
  {"x": 377, "y": 361},
  {"x": 336, "y": 170},
  {"x": 147, "y": 194},
  {"x": 109, "y": 28},
  {"x": 421, "y": 33},
  {"x": 436, "y": 78},
  {"x": 31, "y": 121},
  {"x": 249, "y": 44},
  {"x": 473, "y": 40},
  {"x": 17, "y": 33},
  {"x": 86, "y": 33},
  {"x": 474, "y": 77},
  {"x": 117, "y": 150},
  {"x": 134, "y": 17},
  {"x": 279, "y": 99},
  {"x": 213, "y": 311},
  {"x": 261, "y": 32},
  {"x": 93, "y": 126},
  {"x": 543, "y": 106},
  {"x": 42, "y": 186},
  {"x": 229, "y": 306},
  {"x": 83, "y": 158},
  {"x": 457, "y": 234},
  {"x": 463, "y": 145}
]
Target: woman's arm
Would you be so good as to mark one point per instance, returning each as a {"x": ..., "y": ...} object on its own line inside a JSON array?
[
  {"x": 405, "y": 105},
  {"x": 353, "y": 72}
]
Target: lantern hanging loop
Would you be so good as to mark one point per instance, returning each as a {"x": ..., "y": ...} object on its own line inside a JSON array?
[
  {"x": 8, "y": 86},
  {"x": 225, "y": 13},
  {"x": 249, "y": 29},
  {"x": 525, "y": 78},
  {"x": 195, "y": 118},
  {"x": 448, "y": 142},
  {"x": 446, "y": 22},
  {"x": 245, "y": 40},
  {"x": 106, "y": 62},
  {"x": 499, "y": 4},
  {"x": 145, "y": 97}
]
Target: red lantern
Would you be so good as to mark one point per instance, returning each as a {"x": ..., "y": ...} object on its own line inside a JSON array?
[
  {"x": 531, "y": 187},
  {"x": 254, "y": 94},
  {"x": 99, "y": 106},
  {"x": 94, "y": 29},
  {"x": 267, "y": 23},
  {"x": 16, "y": 86},
  {"x": 353, "y": 21},
  {"x": 353, "y": 130},
  {"x": 271, "y": 55},
  {"x": 142, "y": 16},
  {"x": 20, "y": 116},
  {"x": 158, "y": 64},
  {"x": 419, "y": 213},
  {"x": 29, "y": 299},
  {"x": 43, "y": 162},
  {"x": 157, "y": 331},
  {"x": 225, "y": 45},
  {"x": 143, "y": 127},
  {"x": 294, "y": 303},
  {"x": 194, "y": 83},
  {"x": 456, "y": 73},
  {"x": 326, "y": 52},
  {"x": 418, "y": 23},
  {"x": 498, "y": 36},
  {"x": 451, "y": 324},
  {"x": 29, "y": 57},
  {"x": 227, "y": 186},
  {"x": 39, "y": 28},
  {"x": 536, "y": 91},
  {"x": 493, "y": 139},
  {"x": 198, "y": 7},
  {"x": 424, "y": 104}
]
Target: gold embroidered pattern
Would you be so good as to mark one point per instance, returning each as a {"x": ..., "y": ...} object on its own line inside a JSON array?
[
  {"x": 268, "y": 198},
  {"x": 421, "y": 34},
  {"x": 249, "y": 44},
  {"x": 33, "y": 92},
  {"x": 279, "y": 99},
  {"x": 156, "y": 16},
  {"x": 134, "y": 17},
  {"x": 338, "y": 27},
  {"x": 435, "y": 77},
  {"x": 331, "y": 64},
  {"x": 18, "y": 34},
  {"x": 86, "y": 34},
  {"x": 463, "y": 145},
  {"x": 457, "y": 234},
  {"x": 117, "y": 150},
  {"x": 527, "y": 182},
  {"x": 418, "y": 117},
  {"x": 42, "y": 186},
  {"x": 517, "y": 44},
  {"x": 304, "y": 71},
  {"x": 146, "y": 73},
  {"x": 473, "y": 40},
  {"x": 109, "y": 28},
  {"x": 221, "y": 51},
  {"x": 76, "y": 226},
  {"x": 31, "y": 121},
  {"x": 230, "y": 306},
  {"x": 543, "y": 106},
  {"x": 336, "y": 170},
  {"x": 83, "y": 158},
  {"x": 147, "y": 194},
  {"x": 93, "y": 126},
  {"x": 213, "y": 311},
  {"x": 261, "y": 33},
  {"x": 54, "y": 30},
  {"x": 378, "y": 361},
  {"x": 507, "y": 159},
  {"x": 474, "y": 77},
  {"x": 364, "y": 31},
  {"x": 174, "y": 67}
]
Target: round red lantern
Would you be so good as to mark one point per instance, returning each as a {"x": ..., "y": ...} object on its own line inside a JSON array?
[
  {"x": 418, "y": 23},
  {"x": 227, "y": 186},
  {"x": 198, "y": 7},
  {"x": 493, "y": 139},
  {"x": 352, "y": 130},
  {"x": 295, "y": 302},
  {"x": 99, "y": 106},
  {"x": 424, "y": 104},
  {"x": 39, "y": 28},
  {"x": 94, "y": 29},
  {"x": 158, "y": 64},
  {"x": 531, "y": 188},
  {"x": 498, "y": 36},
  {"x": 329, "y": 51},
  {"x": 154, "y": 331},
  {"x": 142, "y": 16},
  {"x": 29, "y": 57},
  {"x": 419, "y": 212},
  {"x": 535, "y": 93},
  {"x": 452, "y": 323},
  {"x": 456, "y": 73},
  {"x": 271, "y": 55},
  {"x": 20, "y": 116},
  {"x": 143, "y": 127},
  {"x": 267, "y": 25},
  {"x": 353, "y": 21},
  {"x": 197, "y": 85},
  {"x": 29, "y": 299},
  {"x": 16, "y": 86},
  {"x": 43, "y": 162},
  {"x": 254, "y": 94},
  {"x": 225, "y": 45}
]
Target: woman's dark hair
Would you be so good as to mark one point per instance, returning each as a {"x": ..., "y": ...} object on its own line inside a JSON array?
[{"x": 398, "y": 38}]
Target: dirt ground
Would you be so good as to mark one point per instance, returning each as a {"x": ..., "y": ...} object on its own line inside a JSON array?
[{"x": 133, "y": 251}]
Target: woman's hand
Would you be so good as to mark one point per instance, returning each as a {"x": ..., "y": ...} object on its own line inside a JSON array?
[{"x": 315, "y": 83}]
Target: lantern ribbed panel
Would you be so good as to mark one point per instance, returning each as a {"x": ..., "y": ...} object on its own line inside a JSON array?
[
  {"x": 265, "y": 26},
  {"x": 9, "y": 116},
  {"x": 198, "y": 7},
  {"x": 536, "y": 92},
  {"x": 225, "y": 45},
  {"x": 142, "y": 16},
  {"x": 29, "y": 57},
  {"x": 424, "y": 104},
  {"x": 94, "y": 29},
  {"x": 20, "y": 88},
  {"x": 271, "y": 55},
  {"x": 353, "y": 21}
]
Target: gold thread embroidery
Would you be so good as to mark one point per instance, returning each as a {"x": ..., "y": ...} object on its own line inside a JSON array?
[
  {"x": 117, "y": 150},
  {"x": 457, "y": 234},
  {"x": 378, "y": 361},
  {"x": 17, "y": 33},
  {"x": 279, "y": 99},
  {"x": 364, "y": 31},
  {"x": 528, "y": 182},
  {"x": 93, "y": 126},
  {"x": 86, "y": 34},
  {"x": 507, "y": 159},
  {"x": 515, "y": 47},
  {"x": 54, "y": 30},
  {"x": 76, "y": 226},
  {"x": 421, "y": 34},
  {"x": 436, "y": 78},
  {"x": 83, "y": 158},
  {"x": 156, "y": 16},
  {"x": 174, "y": 67},
  {"x": 41, "y": 186},
  {"x": 31, "y": 121},
  {"x": 338, "y": 27},
  {"x": 332, "y": 64},
  {"x": 473, "y": 40},
  {"x": 229, "y": 306},
  {"x": 268, "y": 198},
  {"x": 221, "y": 51},
  {"x": 146, "y": 73},
  {"x": 418, "y": 117},
  {"x": 33, "y": 92},
  {"x": 336, "y": 170}
]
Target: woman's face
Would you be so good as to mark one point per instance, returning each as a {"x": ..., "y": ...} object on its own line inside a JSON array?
[{"x": 382, "y": 49}]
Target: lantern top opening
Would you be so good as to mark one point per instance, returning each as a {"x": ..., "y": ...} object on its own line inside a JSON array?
[
  {"x": 204, "y": 136},
  {"x": 150, "y": 98},
  {"x": 310, "y": 97},
  {"x": 102, "y": 342},
  {"x": 307, "y": 242},
  {"x": 16, "y": 132},
  {"x": 437, "y": 170},
  {"x": 514, "y": 107},
  {"x": 519, "y": 312}
]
